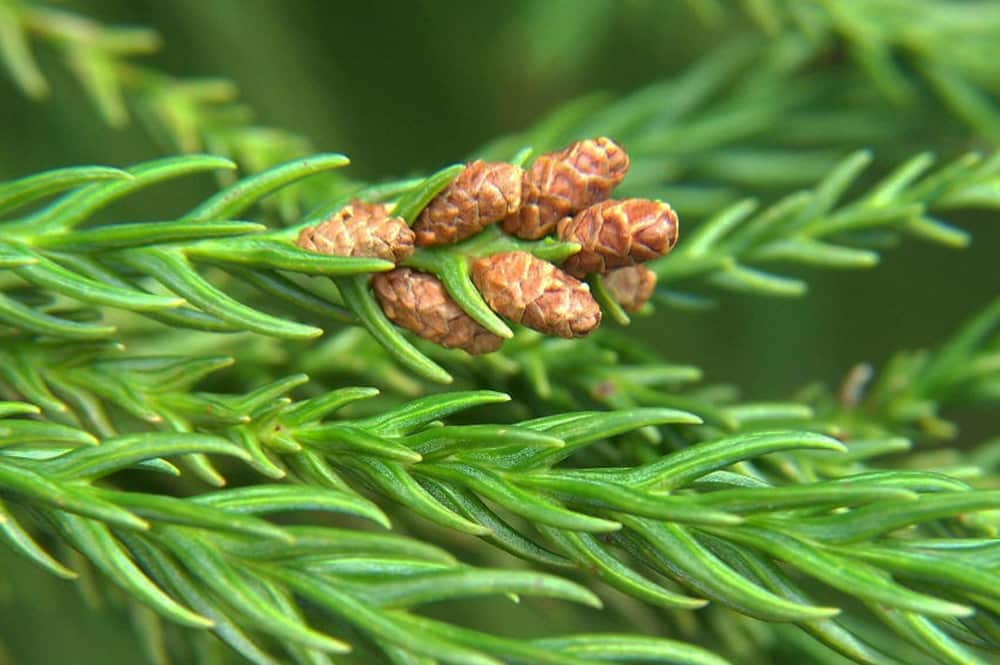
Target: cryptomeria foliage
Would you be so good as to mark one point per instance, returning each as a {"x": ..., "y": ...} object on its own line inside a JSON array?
[{"x": 844, "y": 523}]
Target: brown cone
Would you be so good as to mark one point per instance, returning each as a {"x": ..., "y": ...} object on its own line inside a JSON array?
[
  {"x": 535, "y": 293},
  {"x": 616, "y": 234},
  {"x": 360, "y": 229},
  {"x": 631, "y": 287},
  {"x": 563, "y": 183},
  {"x": 482, "y": 194},
  {"x": 419, "y": 302}
]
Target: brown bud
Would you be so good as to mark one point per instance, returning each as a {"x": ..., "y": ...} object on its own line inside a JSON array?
[
  {"x": 482, "y": 194},
  {"x": 419, "y": 302},
  {"x": 360, "y": 229},
  {"x": 615, "y": 234},
  {"x": 631, "y": 287},
  {"x": 563, "y": 183},
  {"x": 535, "y": 293}
]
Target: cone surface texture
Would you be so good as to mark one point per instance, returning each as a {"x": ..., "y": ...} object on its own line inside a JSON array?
[
  {"x": 363, "y": 230},
  {"x": 561, "y": 184},
  {"x": 483, "y": 194},
  {"x": 537, "y": 294},
  {"x": 615, "y": 234},
  {"x": 419, "y": 302},
  {"x": 631, "y": 287}
]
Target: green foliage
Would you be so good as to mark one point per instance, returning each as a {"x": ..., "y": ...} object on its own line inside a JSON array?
[
  {"x": 679, "y": 517},
  {"x": 948, "y": 46},
  {"x": 795, "y": 229},
  {"x": 345, "y": 523}
]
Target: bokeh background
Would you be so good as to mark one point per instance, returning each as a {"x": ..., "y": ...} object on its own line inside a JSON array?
[{"x": 404, "y": 87}]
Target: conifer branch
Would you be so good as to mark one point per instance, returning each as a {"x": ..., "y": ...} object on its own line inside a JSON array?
[
  {"x": 668, "y": 513},
  {"x": 116, "y": 264},
  {"x": 849, "y": 522},
  {"x": 707, "y": 130}
]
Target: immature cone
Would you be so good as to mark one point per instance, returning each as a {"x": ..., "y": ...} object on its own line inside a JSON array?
[
  {"x": 616, "y": 234},
  {"x": 482, "y": 194},
  {"x": 360, "y": 229},
  {"x": 563, "y": 183},
  {"x": 419, "y": 302},
  {"x": 533, "y": 292},
  {"x": 631, "y": 287}
]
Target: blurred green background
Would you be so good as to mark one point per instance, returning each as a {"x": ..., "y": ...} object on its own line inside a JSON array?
[{"x": 403, "y": 87}]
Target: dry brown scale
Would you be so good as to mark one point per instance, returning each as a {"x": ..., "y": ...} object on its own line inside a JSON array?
[
  {"x": 362, "y": 230},
  {"x": 563, "y": 183},
  {"x": 631, "y": 287},
  {"x": 535, "y": 293},
  {"x": 483, "y": 194},
  {"x": 616, "y": 234},
  {"x": 419, "y": 302}
]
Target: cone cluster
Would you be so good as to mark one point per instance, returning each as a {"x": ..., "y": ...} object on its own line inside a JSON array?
[
  {"x": 565, "y": 193},
  {"x": 568, "y": 192}
]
